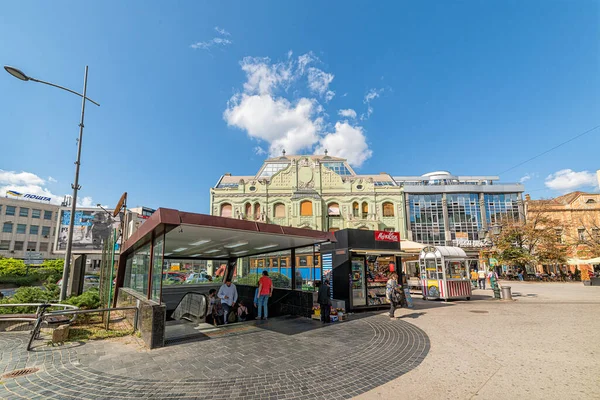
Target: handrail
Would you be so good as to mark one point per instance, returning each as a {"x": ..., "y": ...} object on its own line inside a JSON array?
[{"x": 25, "y": 319}]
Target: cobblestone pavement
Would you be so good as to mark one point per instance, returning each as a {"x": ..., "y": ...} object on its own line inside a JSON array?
[{"x": 263, "y": 361}]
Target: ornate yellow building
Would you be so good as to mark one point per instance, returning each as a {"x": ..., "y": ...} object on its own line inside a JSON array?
[{"x": 312, "y": 191}]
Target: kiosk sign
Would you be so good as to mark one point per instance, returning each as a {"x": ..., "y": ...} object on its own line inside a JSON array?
[{"x": 383, "y": 236}]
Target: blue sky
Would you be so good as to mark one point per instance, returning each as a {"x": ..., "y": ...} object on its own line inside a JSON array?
[{"x": 471, "y": 87}]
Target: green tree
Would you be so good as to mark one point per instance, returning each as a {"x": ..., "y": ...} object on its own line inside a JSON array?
[
  {"x": 12, "y": 267},
  {"x": 520, "y": 244}
]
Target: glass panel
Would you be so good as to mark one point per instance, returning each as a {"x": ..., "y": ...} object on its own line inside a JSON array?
[
  {"x": 464, "y": 216},
  {"x": 358, "y": 281},
  {"x": 338, "y": 167},
  {"x": 427, "y": 218},
  {"x": 21, "y": 228},
  {"x": 157, "y": 265},
  {"x": 272, "y": 168},
  {"x": 10, "y": 210},
  {"x": 36, "y": 213},
  {"x": 140, "y": 265},
  {"x": 500, "y": 206}
]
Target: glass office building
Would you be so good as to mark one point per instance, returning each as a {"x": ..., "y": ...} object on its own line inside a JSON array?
[{"x": 444, "y": 209}]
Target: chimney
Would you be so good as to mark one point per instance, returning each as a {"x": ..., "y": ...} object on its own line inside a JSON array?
[{"x": 527, "y": 197}]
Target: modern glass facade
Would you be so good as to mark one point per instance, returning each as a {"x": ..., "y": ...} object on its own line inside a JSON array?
[
  {"x": 427, "y": 218},
  {"x": 338, "y": 167},
  {"x": 499, "y": 206},
  {"x": 272, "y": 168},
  {"x": 464, "y": 216}
]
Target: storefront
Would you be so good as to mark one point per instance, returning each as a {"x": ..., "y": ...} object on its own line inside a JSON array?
[
  {"x": 359, "y": 264},
  {"x": 444, "y": 273}
]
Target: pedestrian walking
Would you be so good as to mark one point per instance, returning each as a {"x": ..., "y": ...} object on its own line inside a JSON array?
[
  {"x": 228, "y": 295},
  {"x": 265, "y": 290},
  {"x": 474, "y": 277},
  {"x": 481, "y": 279},
  {"x": 324, "y": 300},
  {"x": 392, "y": 294},
  {"x": 215, "y": 308}
]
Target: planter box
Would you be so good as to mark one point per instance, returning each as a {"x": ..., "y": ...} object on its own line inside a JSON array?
[{"x": 587, "y": 283}]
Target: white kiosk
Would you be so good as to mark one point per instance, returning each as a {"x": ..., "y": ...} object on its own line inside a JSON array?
[{"x": 444, "y": 273}]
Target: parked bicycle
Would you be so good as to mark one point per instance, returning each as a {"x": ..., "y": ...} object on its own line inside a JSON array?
[{"x": 42, "y": 316}]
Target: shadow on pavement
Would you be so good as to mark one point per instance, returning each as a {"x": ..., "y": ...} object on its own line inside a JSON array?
[{"x": 413, "y": 315}]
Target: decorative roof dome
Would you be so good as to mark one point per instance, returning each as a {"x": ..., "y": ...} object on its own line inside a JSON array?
[{"x": 438, "y": 173}]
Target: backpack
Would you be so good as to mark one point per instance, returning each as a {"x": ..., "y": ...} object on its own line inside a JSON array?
[{"x": 232, "y": 317}]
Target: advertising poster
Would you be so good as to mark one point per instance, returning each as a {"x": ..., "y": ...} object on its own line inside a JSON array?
[{"x": 92, "y": 228}]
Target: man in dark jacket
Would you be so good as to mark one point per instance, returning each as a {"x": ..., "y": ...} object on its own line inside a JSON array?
[{"x": 324, "y": 299}]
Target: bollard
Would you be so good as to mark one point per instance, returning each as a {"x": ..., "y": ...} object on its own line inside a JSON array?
[{"x": 506, "y": 295}]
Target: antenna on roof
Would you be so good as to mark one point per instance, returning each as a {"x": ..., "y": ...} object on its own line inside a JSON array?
[
  {"x": 283, "y": 152},
  {"x": 326, "y": 152}
]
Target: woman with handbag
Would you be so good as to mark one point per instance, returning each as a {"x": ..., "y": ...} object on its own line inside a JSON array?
[{"x": 392, "y": 294}]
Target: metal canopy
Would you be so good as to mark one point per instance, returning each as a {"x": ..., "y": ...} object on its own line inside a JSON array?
[
  {"x": 447, "y": 252},
  {"x": 202, "y": 242},
  {"x": 190, "y": 235}
]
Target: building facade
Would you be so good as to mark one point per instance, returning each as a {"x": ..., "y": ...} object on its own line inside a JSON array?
[
  {"x": 27, "y": 226},
  {"x": 576, "y": 218},
  {"x": 447, "y": 210},
  {"x": 314, "y": 191}
]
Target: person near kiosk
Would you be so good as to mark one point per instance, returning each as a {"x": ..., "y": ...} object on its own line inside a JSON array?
[{"x": 324, "y": 299}]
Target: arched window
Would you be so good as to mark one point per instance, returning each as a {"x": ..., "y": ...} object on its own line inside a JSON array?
[
  {"x": 226, "y": 210},
  {"x": 256, "y": 211},
  {"x": 388, "y": 209},
  {"x": 355, "y": 209},
  {"x": 248, "y": 210},
  {"x": 306, "y": 208},
  {"x": 365, "y": 210},
  {"x": 333, "y": 209},
  {"x": 279, "y": 210}
]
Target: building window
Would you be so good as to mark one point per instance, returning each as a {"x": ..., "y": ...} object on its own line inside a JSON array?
[
  {"x": 590, "y": 201},
  {"x": 226, "y": 210},
  {"x": 31, "y": 246},
  {"x": 227, "y": 186},
  {"x": 581, "y": 234},
  {"x": 256, "y": 211},
  {"x": 355, "y": 209},
  {"x": 4, "y": 245},
  {"x": 279, "y": 210},
  {"x": 21, "y": 228},
  {"x": 36, "y": 213},
  {"x": 7, "y": 227},
  {"x": 426, "y": 216},
  {"x": 272, "y": 168},
  {"x": 501, "y": 206},
  {"x": 559, "y": 233},
  {"x": 10, "y": 210},
  {"x": 306, "y": 208},
  {"x": 596, "y": 234},
  {"x": 44, "y": 246},
  {"x": 365, "y": 210},
  {"x": 464, "y": 216},
  {"x": 18, "y": 246},
  {"x": 388, "y": 209},
  {"x": 45, "y": 230},
  {"x": 34, "y": 229},
  {"x": 338, "y": 167},
  {"x": 333, "y": 209},
  {"x": 24, "y": 212},
  {"x": 48, "y": 215},
  {"x": 248, "y": 210}
]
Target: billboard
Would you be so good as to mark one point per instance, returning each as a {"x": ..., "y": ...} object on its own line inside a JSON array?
[{"x": 92, "y": 228}]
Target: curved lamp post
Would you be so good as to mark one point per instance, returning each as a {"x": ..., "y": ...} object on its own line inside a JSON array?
[{"x": 17, "y": 73}]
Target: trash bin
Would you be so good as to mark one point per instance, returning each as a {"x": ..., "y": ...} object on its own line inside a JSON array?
[{"x": 506, "y": 295}]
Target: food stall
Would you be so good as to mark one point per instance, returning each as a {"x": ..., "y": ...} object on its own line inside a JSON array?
[
  {"x": 444, "y": 273},
  {"x": 358, "y": 266}
]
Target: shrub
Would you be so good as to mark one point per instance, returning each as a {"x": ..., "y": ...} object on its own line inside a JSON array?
[
  {"x": 87, "y": 300},
  {"x": 11, "y": 266}
]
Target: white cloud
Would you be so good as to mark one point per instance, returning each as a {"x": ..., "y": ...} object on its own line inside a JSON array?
[
  {"x": 369, "y": 97},
  {"x": 528, "y": 176},
  {"x": 222, "y": 31},
  {"x": 25, "y": 182},
  {"x": 348, "y": 113},
  {"x": 318, "y": 82},
  {"x": 52, "y": 180},
  {"x": 211, "y": 43},
  {"x": 347, "y": 142},
  {"x": 267, "y": 111},
  {"x": 259, "y": 151},
  {"x": 567, "y": 180},
  {"x": 86, "y": 201}
]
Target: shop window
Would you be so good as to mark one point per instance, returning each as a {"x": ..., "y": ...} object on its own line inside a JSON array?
[
  {"x": 279, "y": 210},
  {"x": 226, "y": 210},
  {"x": 365, "y": 210},
  {"x": 388, "y": 209},
  {"x": 306, "y": 208},
  {"x": 355, "y": 209},
  {"x": 333, "y": 209}
]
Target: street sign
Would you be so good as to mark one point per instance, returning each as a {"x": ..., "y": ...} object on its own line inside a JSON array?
[{"x": 34, "y": 258}]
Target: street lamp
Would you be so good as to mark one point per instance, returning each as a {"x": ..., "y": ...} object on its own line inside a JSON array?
[{"x": 17, "y": 73}]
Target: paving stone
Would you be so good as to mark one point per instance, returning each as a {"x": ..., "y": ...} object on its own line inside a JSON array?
[{"x": 336, "y": 361}]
